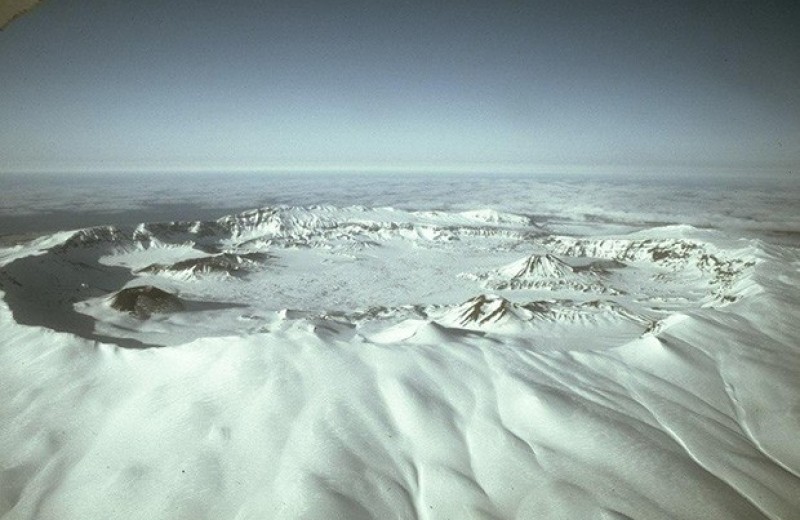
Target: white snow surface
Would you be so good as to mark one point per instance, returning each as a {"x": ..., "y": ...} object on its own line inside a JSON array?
[{"x": 355, "y": 362}]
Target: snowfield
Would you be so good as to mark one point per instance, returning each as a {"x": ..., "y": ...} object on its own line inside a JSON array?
[{"x": 358, "y": 362}]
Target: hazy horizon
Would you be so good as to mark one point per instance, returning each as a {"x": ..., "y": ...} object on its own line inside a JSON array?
[{"x": 51, "y": 202}]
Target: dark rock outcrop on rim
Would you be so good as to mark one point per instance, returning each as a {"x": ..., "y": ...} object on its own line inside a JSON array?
[{"x": 145, "y": 300}]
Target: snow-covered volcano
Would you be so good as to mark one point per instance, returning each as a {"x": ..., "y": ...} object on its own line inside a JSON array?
[
  {"x": 325, "y": 362},
  {"x": 536, "y": 267},
  {"x": 488, "y": 310}
]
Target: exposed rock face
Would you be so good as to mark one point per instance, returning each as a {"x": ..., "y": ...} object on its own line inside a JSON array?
[
  {"x": 491, "y": 309},
  {"x": 143, "y": 301}
]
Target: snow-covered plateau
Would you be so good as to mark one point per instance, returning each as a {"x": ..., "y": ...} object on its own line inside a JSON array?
[{"x": 356, "y": 362}]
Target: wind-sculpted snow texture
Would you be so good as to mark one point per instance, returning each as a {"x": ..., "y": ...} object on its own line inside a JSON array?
[{"x": 356, "y": 362}]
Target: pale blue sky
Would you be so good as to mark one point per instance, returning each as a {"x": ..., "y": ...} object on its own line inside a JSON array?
[{"x": 506, "y": 86}]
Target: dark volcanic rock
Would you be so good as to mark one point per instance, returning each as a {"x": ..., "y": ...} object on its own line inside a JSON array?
[{"x": 145, "y": 300}]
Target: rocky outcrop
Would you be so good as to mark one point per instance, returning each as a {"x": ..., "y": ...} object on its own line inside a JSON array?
[{"x": 145, "y": 300}]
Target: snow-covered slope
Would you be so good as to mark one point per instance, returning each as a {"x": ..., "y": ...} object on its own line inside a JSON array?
[
  {"x": 536, "y": 267},
  {"x": 325, "y": 362}
]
